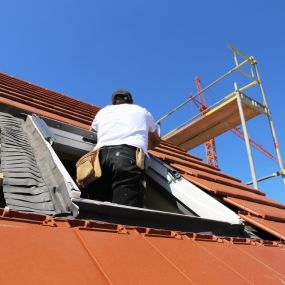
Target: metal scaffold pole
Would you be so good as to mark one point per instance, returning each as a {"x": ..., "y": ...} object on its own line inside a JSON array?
[
  {"x": 272, "y": 128},
  {"x": 246, "y": 137},
  {"x": 244, "y": 114}
]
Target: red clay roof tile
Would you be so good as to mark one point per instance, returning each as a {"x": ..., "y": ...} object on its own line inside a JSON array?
[
  {"x": 31, "y": 98},
  {"x": 275, "y": 228},
  {"x": 184, "y": 156},
  {"x": 175, "y": 149},
  {"x": 213, "y": 180},
  {"x": 44, "y": 102},
  {"x": 265, "y": 211},
  {"x": 209, "y": 176},
  {"x": 129, "y": 256},
  {"x": 228, "y": 191},
  {"x": 192, "y": 164}
]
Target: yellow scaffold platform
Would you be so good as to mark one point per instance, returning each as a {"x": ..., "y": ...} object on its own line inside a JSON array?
[{"x": 214, "y": 122}]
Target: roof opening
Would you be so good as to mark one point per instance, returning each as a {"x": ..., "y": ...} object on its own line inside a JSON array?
[{"x": 171, "y": 202}]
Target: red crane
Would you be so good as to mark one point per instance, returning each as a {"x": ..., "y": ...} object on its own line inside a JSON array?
[
  {"x": 257, "y": 146},
  {"x": 210, "y": 146}
]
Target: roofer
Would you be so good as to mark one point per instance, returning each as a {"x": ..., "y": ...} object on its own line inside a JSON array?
[{"x": 124, "y": 132}]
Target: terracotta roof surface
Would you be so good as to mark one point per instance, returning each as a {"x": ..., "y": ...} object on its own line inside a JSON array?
[
  {"x": 275, "y": 228},
  {"x": 84, "y": 252},
  {"x": 259, "y": 210},
  {"x": 32, "y": 98},
  {"x": 76, "y": 250},
  {"x": 232, "y": 190},
  {"x": 35, "y": 99}
]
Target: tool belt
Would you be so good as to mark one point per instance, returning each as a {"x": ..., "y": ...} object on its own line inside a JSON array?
[
  {"x": 88, "y": 168},
  {"x": 140, "y": 156}
]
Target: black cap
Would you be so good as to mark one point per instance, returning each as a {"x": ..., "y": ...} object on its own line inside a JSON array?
[{"x": 122, "y": 96}]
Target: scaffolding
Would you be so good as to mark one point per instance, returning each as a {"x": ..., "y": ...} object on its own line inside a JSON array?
[{"x": 234, "y": 109}]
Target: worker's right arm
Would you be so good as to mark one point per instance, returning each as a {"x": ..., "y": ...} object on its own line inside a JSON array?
[
  {"x": 153, "y": 136},
  {"x": 153, "y": 139}
]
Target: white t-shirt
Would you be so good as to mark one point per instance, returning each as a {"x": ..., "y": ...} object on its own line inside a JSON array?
[{"x": 123, "y": 124}]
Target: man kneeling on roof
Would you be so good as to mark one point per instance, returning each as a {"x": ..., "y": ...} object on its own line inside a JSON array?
[{"x": 124, "y": 133}]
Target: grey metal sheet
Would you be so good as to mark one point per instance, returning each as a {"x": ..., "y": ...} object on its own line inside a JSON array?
[
  {"x": 21, "y": 167},
  {"x": 49, "y": 169},
  {"x": 11, "y": 151},
  {"x": 21, "y": 181},
  {"x": 12, "y": 142},
  {"x": 46, "y": 206},
  {"x": 110, "y": 212},
  {"x": 34, "y": 190},
  {"x": 23, "y": 185},
  {"x": 31, "y": 180},
  {"x": 17, "y": 156},
  {"x": 27, "y": 209},
  {"x": 40, "y": 198},
  {"x": 16, "y": 162},
  {"x": 24, "y": 175}
]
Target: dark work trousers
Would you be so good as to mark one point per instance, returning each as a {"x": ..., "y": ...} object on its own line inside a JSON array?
[{"x": 121, "y": 181}]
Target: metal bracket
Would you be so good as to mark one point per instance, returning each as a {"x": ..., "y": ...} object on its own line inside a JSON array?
[
  {"x": 274, "y": 174},
  {"x": 44, "y": 129},
  {"x": 168, "y": 170},
  {"x": 250, "y": 60}
]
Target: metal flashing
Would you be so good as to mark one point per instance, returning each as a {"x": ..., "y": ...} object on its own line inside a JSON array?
[
  {"x": 132, "y": 216},
  {"x": 190, "y": 195},
  {"x": 70, "y": 139}
]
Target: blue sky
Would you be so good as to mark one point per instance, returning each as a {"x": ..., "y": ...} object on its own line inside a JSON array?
[{"x": 87, "y": 49}]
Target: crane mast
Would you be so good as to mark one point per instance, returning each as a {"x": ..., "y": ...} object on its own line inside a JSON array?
[{"x": 210, "y": 145}]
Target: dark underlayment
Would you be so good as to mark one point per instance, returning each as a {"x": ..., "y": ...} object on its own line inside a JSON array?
[{"x": 29, "y": 183}]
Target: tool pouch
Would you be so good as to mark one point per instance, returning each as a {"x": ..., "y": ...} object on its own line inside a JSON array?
[
  {"x": 88, "y": 168},
  {"x": 140, "y": 156}
]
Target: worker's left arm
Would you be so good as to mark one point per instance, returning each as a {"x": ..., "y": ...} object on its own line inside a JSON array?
[{"x": 94, "y": 125}]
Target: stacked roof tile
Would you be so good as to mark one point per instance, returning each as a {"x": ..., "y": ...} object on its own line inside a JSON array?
[{"x": 35, "y": 99}]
